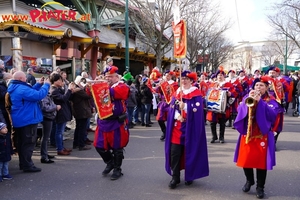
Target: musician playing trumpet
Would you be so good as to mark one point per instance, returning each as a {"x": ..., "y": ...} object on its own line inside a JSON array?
[{"x": 256, "y": 144}]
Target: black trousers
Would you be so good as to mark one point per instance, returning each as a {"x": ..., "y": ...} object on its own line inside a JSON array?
[
  {"x": 261, "y": 175},
  {"x": 26, "y": 136},
  {"x": 176, "y": 153}
]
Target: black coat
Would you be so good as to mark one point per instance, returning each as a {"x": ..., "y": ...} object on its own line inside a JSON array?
[
  {"x": 81, "y": 106},
  {"x": 5, "y": 148},
  {"x": 61, "y": 98},
  {"x": 146, "y": 94}
]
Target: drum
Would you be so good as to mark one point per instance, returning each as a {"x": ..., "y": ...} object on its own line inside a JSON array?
[{"x": 216, "y": 100}]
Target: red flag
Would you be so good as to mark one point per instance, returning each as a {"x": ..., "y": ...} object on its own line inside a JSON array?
[{"x": 180, "y": 40}]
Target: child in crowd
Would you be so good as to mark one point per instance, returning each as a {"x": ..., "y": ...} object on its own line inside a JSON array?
[{"x": 5, "y": 152}]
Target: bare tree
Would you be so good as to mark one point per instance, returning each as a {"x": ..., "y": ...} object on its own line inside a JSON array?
[
  {"x": 155, "y": 18},
  {"x": 205, "y": 27},
  {"x": 286, "y": 20},
  {"x": 219, "y": 52}
]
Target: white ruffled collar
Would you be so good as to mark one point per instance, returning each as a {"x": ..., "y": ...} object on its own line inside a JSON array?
[{"x": 187, "y": 91}]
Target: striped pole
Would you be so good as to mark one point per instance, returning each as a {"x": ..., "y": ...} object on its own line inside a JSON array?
[{"x": 17, "y": 53}]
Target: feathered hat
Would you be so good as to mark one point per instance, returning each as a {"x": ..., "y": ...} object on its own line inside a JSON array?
[
  {"x": 155, "y": 74},
  {"x": 231, "y": 71},
  {"x": 190, "y": 75},
  {"x": 264, "y": 79},
  {"x": 221, "y": 71},
  {"x": 111, "y": 70}
]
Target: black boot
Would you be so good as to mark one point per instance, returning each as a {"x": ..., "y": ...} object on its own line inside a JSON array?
[
  {"x": 229, "y": 122},
  {"x": 222, "y": 131},
  {"x": 261, "y": 179},
  {"x": 118, "y": 158},
  {"x": 250, "y": 179},
  {"x": 174, "y": 182},
  {"x": 213, "y": 126},
  {"x": 108, "y": 159},
  {"x": 163, "y": 129}
]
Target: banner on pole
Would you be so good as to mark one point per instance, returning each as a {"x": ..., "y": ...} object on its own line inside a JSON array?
[{"x": 180, "y": 40}]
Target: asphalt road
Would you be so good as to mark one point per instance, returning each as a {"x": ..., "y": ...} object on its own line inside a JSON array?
[{"x": 78, "y": 176}]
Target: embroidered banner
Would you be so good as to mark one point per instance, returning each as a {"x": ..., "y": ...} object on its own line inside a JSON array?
[
  {"x": 167, "y": 90},
  {"x": 100, "y": 92},
  {"x": 180, "y": 40}
]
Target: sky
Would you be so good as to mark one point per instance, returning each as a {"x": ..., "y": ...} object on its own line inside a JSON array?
[{"x": 252, "y": 19}]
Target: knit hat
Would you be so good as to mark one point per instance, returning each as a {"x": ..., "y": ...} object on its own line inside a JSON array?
[
  {"x": 2, "y": 125},
  {"x": 144, "y": 79}
]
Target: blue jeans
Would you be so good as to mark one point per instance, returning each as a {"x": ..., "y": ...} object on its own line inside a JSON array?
[
  {"x": 3, "y": 169},
  {"x": 130, "y": 111},
  {"x": 60, "y": 128},
  {"x": 146, "y": 113},
  {"x": 136, "y": 112}
]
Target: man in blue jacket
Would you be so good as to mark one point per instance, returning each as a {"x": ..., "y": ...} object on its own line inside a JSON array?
[{"x": 25, "y": 115}]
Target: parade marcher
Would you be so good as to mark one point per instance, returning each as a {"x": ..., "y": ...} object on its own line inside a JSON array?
[
  {"x": 255, "y": 146},
  {"x": 233, "y": 102},
  {"x": 257, "y": 74},
  {"x": 203, "y": 87},
  {"x": 112, "y": 133},
  {"x": 218, "y": 117},
  {"x": 246, "y": 84},
  {"x": 165, "y": 90},
  {"x": 276, "y": 90},
  {"x": 25, "y": 114},
  {"x": 186, "y": 145}
]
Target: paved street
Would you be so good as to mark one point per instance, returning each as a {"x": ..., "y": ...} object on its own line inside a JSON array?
[{"x": 79, "y": 176}]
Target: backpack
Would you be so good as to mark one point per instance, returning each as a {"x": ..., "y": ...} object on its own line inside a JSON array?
[{"x": 48, "y": 107}]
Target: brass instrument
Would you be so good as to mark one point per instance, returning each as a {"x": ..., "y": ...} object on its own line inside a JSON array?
[{"x": 250, "y": 102}]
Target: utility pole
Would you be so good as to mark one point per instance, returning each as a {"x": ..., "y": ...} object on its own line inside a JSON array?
[
  {"x": 285, "y": 56},
  {"x": 126, "y": 38}
]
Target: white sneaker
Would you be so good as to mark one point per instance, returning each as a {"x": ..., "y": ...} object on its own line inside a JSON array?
[{"x": 299, "y": 116}]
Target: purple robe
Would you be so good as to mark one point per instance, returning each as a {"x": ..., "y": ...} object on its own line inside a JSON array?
[
  {"x": 266, "y": 113},
  {"x": 195, "y": 144}
]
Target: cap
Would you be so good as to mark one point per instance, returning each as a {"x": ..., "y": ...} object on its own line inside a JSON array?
[
  {"x": 144, "y": 79},
  {"x": 2, "y": 125},
  {"x": 109, "y": 59}
]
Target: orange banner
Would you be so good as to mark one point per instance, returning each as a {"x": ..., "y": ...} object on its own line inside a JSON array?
[
  {"x": 167, "y": 90},
  {"x": 180, "y": 40},
  {"x": 100, "y": 92}
]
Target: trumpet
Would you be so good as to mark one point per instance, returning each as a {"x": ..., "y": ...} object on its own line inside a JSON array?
[{"x": 250, "y": 101}]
